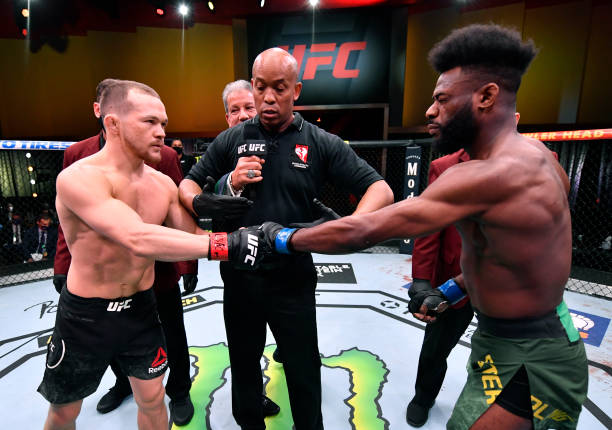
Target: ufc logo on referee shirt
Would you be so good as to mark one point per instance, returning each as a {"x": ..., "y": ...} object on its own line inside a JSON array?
[
  {"x": 119, "y": 306},
  {"x": 252, "y": 244}
]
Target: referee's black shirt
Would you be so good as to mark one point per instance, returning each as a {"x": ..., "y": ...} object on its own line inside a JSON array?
[{"x": 290, "y": 181}]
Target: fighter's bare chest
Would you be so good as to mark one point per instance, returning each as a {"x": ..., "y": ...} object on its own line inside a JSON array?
[
  {"x": 146, "y": 198},
  {"x": 473, "y": 235}
]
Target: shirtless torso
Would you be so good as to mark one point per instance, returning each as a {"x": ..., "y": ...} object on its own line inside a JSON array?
[
  {"x": 101, "y": 267},
  {"x": 111, "y": 207},
  {"x": 512, "y": 213}
]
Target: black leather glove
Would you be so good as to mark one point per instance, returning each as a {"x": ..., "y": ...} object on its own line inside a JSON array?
[
  {"x": 327, "y": 214},
  {"x": 59, "y": 280},
  {"x": 245, "y": 247},
  {"x": 421, "y": 294},
  {"x": 207, "y": 204},
  {"x": 190, "y": 281}
]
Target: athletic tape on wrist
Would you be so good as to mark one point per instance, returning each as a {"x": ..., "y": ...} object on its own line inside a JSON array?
[
  {"x": 281, "y": 242},
  {"x": 451, "y": 291},
  {"x": 218, "y": 248}
]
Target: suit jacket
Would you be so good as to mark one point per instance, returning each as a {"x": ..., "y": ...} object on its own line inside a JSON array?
[
  {"x": 436, "y": 257},
  {"x": 31, "y": 241},
  {"x": 166, "y": 274}
]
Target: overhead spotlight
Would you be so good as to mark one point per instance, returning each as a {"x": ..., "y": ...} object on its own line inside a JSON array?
[
  {"x": 261, "y": 3},
  {"x": 211, "y": 5},
  {"x": 159, "y": 11},
  {"x": 25, "y": 12},
  {"x": 35, "y": 195},
  {"x": 314, "y": 3},
  {"x": 183, "y": 9},
  {"x": 32, "y": 181},
  {"x": 28, "y": 155},
  {"x": 30, "y": 169}
]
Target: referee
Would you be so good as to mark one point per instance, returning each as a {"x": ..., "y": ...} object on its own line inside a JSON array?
[{"x": 280, "y": 162}]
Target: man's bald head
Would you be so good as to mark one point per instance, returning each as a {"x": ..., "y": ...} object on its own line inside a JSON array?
[{"x": 278, "y": 59}]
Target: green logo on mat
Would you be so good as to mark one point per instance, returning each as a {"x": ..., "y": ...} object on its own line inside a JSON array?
[{"x": 367, "y": 374}]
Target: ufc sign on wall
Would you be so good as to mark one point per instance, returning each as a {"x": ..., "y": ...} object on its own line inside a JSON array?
[{"x": 345, "y": 60}]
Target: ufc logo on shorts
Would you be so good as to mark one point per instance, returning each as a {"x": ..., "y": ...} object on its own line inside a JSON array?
[
  {"x": 119, "y": 306},
  {"x": 253, "y": 243}
]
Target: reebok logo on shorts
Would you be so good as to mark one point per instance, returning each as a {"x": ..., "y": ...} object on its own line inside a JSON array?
[
  {"x": 118, "y": 306},
  {"x": 253, "y": 243},
  {"x": 160, "y": 362}
]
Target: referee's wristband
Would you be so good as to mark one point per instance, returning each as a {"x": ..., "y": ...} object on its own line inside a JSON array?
[
  {"x": 281, "y": 242},
  {"x": 451, "y": 291}
]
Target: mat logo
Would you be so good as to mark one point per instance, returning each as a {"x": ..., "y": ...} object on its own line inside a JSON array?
[
  {"x": 338, "y": 58},
  {"x": 118, "y": 306},
  {"x": 367, "y": 375},
  {"x": 47, "y": 307},
  {"x": 592, "y": 328},
  {"x": 341, "y": 273}
]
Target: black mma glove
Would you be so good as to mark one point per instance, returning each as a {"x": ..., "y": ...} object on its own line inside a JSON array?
[
  {"x": 245, "y": 247},
  {"x": 59, "y": 280},
  {"x": 327, "y": 214},
  {"x": 277, "y": 237},
  {"x": 421, "y": 294},
  {"x": 210, "y": 205},
  {"x": 190, "y": 281},
  {"x": 435, "y": 299}
]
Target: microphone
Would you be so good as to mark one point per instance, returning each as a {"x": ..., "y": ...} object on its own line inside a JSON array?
[{"x": 253, "y": 145}]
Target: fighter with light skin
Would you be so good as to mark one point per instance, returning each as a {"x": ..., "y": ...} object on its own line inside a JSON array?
[{"x": 111, "y": 206}]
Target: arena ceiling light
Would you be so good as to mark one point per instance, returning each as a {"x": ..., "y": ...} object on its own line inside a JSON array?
[
  {"x": 211, "y": 5},
  {"x": 262, "y": 3},
  {"x": 159, "y": 11},
  {"x": 313, "y": 3},
  {"x": 183, "y": 9}
]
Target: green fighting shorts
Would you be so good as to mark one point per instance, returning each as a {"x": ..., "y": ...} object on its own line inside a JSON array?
[{"x": 552, "y": 353}]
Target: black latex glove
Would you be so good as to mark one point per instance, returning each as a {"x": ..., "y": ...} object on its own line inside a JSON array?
[
  {"x": 59, "y": 280},
  {"x": 207, "y": 204},
  {"x": 421, "y": 294},
  {"x": 190, "y": 281},
  {"x": 327, "y": 214}
]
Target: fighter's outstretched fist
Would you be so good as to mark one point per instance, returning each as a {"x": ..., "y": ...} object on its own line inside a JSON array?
[
  {"x": 277, "y": 237},
  {"x": 246, "y": 247}
]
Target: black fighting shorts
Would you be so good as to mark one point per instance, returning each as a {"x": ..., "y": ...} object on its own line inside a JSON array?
[{"x": 90, "y": 332}]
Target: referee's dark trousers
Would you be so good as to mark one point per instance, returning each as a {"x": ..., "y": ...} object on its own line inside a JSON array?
[{"x": 282, "y": 295}]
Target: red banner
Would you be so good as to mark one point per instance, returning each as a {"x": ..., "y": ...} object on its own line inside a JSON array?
[{"x": 596, "y": 134}]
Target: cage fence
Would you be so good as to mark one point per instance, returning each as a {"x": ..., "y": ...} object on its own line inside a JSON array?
[{"x": 27, "y": 194}]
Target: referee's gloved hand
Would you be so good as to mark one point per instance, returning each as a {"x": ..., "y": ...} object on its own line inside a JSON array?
[
  {"x": 207, "y": 204},
  {"x": 327, "y": 214},
  {"x": 59, "y": 280},
  {"x": 277, "y": 237},
  {"x": 190, "y": 281},
  {"x": 246, "y": 247}
]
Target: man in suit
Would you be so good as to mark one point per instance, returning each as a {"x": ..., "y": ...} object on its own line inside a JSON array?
[
  {"x": 39, "y": 241},
  {"x": 435, "y": 259}
]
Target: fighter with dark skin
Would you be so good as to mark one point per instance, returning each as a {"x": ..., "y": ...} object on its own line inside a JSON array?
[{"x": 509, "y": 204}]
